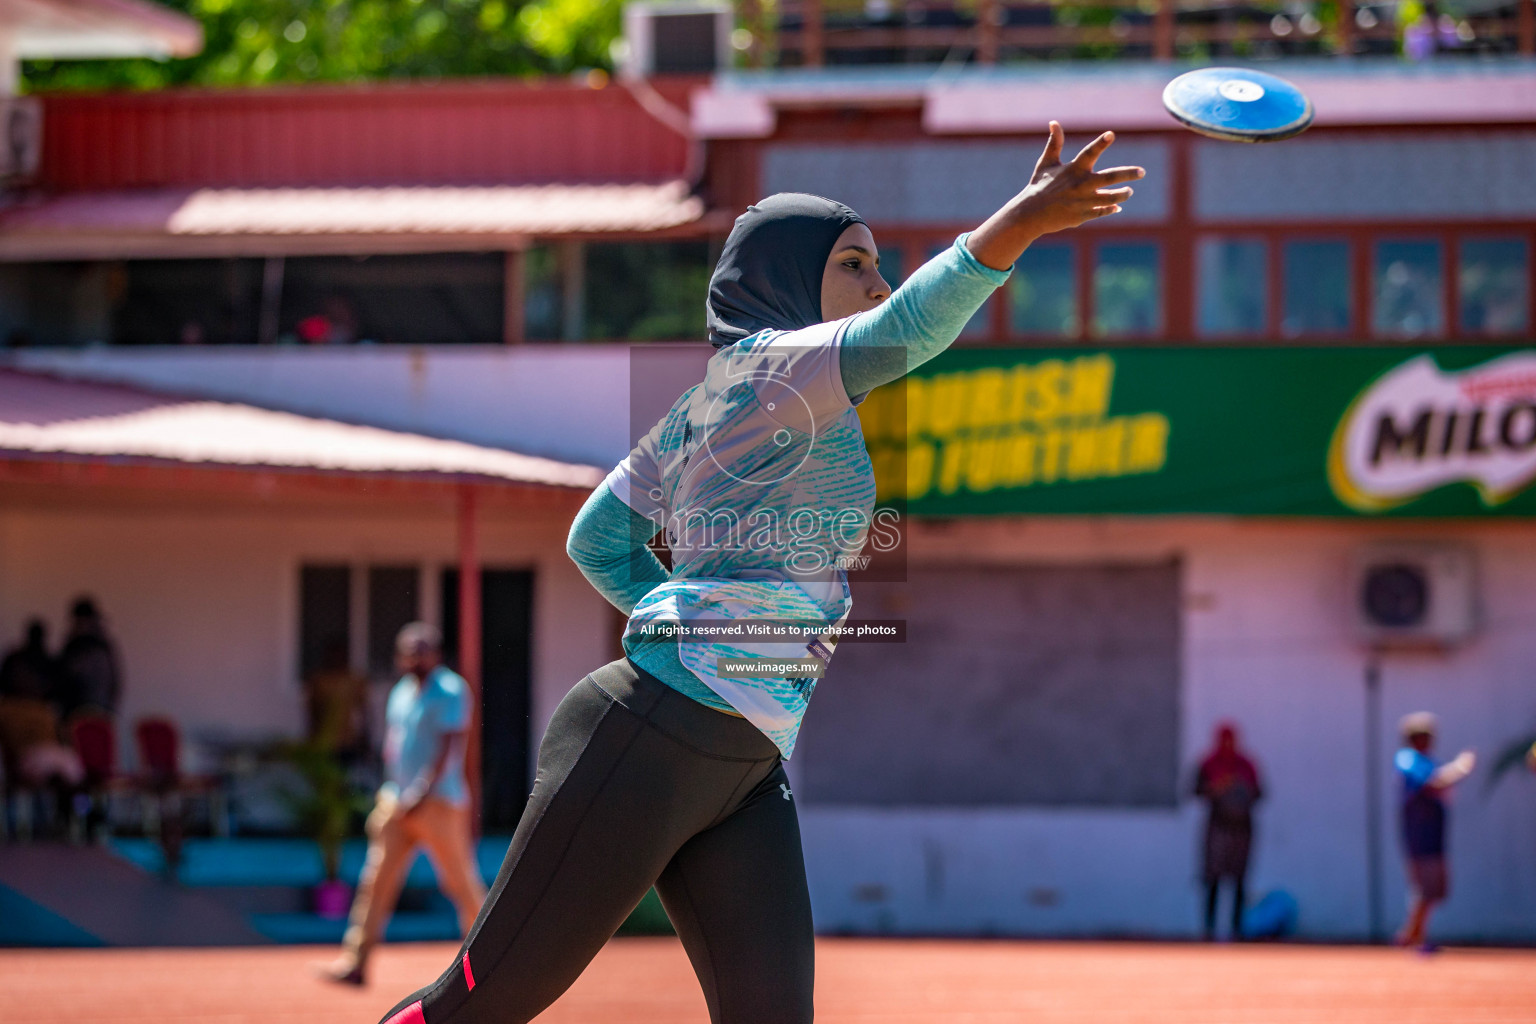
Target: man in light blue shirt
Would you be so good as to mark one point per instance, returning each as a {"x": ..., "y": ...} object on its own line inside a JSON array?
[
  {"x": 425, "y": 722},
  {"x": 424, "y": 802}
]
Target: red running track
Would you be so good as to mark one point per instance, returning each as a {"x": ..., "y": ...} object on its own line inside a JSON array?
[{"x": 859, "y": 981}]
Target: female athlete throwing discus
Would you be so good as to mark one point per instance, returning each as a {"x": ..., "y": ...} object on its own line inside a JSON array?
[{"x": 665, "y": 767}]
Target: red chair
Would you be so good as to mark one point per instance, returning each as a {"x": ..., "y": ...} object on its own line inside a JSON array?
[
  {"x": 159, "y": 748},
  {"x": 94, "y": 738},
  {"x": 95, "y": 741},
  {"x": 159, "y": 753}
]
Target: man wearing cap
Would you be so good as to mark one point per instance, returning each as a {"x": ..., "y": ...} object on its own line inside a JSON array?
[
  {"x": 1424, "y": 787},
  {"x": 424, "y": 802}
]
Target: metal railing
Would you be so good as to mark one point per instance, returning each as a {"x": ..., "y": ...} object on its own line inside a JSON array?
[{"x": 813, "y": 33}]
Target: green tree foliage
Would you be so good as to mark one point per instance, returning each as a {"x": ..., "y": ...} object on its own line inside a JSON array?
[{"x": 263, "y": 42}]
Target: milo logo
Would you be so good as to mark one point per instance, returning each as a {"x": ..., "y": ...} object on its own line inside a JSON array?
[{"x": 1417, "y": 428}]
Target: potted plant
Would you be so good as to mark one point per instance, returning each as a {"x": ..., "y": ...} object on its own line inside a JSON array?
[{"x": 325, "y": 808}]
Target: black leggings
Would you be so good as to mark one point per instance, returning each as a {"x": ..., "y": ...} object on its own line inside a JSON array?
[
  {"x": 1239, "y": 897},
  {"x": 638, "y": 785}
]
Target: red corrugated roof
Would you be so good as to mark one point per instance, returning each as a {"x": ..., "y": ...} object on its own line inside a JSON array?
[
  {"x": 458, "y": 133},
  {"x": 42, "y": 415},
  {"x": 110, "y": 221}
]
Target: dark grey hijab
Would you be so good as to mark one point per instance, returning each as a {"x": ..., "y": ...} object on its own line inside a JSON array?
[{"x": 769, "y": 274}]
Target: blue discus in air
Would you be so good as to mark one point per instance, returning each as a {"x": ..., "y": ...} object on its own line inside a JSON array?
[{"x": 1238, "y": 105}]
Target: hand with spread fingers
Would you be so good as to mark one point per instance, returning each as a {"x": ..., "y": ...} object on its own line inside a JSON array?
[{"x": 1059, "y": 196}]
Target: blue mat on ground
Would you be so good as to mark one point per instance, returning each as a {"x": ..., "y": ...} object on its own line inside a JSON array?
[
  {"x": 238, "y": 891},
  {"x": 25, "y": 923},
  {"x": 403, "y": 927},
  {"x": 1273, "y": 917},
  {"x": 295, "y": 862}
]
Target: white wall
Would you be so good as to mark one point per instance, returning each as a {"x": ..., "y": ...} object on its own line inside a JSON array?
[
  {"x": 567, "y": 402},
  {"x": 203, "y": 605},
  {"x": 1268, "y": 642},
  {"x": 1469, "y": 175},
  {"x": 892, "y": 183}
]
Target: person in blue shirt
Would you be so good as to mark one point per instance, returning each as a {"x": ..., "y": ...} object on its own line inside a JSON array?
[
  {"x": 1425, "y": 786},
  {"x": 423, "y": 803},
  {"x": 665, "y": 767}
]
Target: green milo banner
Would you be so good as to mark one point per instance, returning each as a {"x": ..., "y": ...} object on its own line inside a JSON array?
[{"x": 1229, "y": 431}]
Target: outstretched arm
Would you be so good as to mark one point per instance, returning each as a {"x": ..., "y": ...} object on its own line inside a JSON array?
[
  {"x": 1453, "y": 771},
  {"x": 1059, "y": 196},
  {"x": 608, "y": 544},
  {"x": 926, "y": 314},
  {"x": 920, "y": 319}
]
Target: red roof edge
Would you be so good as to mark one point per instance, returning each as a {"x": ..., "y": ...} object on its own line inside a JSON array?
[{"x": 460, "y": 132}]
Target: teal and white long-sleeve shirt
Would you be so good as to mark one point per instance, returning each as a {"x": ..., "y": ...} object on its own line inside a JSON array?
[{"x": 759, "y": 480}]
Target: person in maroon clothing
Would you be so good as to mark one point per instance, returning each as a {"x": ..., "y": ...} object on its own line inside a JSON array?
[{"x": 1229, "y": 784}]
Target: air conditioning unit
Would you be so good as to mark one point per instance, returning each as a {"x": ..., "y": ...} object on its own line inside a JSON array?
[
  {"x": 676, "y": 37},
  {"x": 21, "y": 137},
  {"x": 1415, "y": 594}
]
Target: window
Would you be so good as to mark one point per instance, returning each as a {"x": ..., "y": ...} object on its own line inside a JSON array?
[
  {"x": 325, "y": 617},
  {"x": 1127, "y": 290},
  {"x": 433, "y": 298},
  {"x": 393, "y": 601},
  {"x": 506, "y": 627},
  {"x": 646, "y": 291},
  {"x": 1042, "y": 293},
  {"x": 543, "y": 294},
  {"x": 186, "y": 302},
  {"x": 635, "y": 291},
  {"x": 1493, "y": 286},
  {"x": 1233, "y": 282},
  {"x": 58, "y": 303},
  {"x": 1316, "y": 286},
  {"x": 1408, "y": 288},
  {"x": 444, "y": 298}
]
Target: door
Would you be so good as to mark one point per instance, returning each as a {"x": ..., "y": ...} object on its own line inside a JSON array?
[{"x": 506, "y": 602}]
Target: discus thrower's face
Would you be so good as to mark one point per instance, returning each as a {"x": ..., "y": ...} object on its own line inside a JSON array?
[{"x": 851, "y": 282}]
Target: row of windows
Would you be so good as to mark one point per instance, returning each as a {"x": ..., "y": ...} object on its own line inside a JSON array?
[
  {"x": 1256, "y": 286},
  {"x": 1408, "y": 294},
  {"x": 313, "y": 300},
  {"x": 572, "y": 292},
  {"x": 1237, "y": 286},
  {"x": 638, "y": 291}
]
